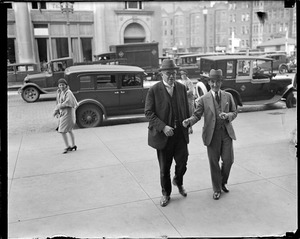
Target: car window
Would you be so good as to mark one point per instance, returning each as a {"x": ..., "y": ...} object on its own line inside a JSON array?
[
  {"x": 131, "y": 80},
  {"x": 206, "y": 65},
  {"x": 244, "y": 68},
  {"x": 230, "y": 70},
  {"x": 21, "y": 68},
  {"x": 10, "y": 68},
  {"x": 86, "y": 82},
  {"x": 30, "y": 68},
  {"x": 106, "y": 81},
  {"x": 262, "y": 69}
]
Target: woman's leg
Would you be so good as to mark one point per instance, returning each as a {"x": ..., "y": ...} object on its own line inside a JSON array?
[
  {"x": 65, "y": 138},
  {"x": 72, "y": 138}
]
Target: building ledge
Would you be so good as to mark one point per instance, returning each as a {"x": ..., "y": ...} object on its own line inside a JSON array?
[{"x": 134, "y": 12}]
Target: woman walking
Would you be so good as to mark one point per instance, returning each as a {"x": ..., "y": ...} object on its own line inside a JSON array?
[
  {"x": 190, "y": 92},
  {"x": 66, "y": 104}
]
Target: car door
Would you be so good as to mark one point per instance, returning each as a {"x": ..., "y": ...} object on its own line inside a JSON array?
[
  {"x": 11, "y": 73},
  {"x": 21, "y": 72},
  {"x": 261, "y": 80},
  {"x": 131, "y": 91}
]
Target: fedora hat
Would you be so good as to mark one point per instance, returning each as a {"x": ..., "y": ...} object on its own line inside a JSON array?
[
  {"x": 216, "y": 74},
  {"x": 168, "y": 64}
]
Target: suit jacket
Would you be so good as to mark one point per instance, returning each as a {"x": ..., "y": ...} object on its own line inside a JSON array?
[
  {"x": 158, "y": 110},
  {"x": 206, "y": 106}
]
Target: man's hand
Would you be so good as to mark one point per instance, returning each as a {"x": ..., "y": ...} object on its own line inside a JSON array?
[
  {"x": 186, "y": 123},
  {"x": 168, "y": 131},
  {"x": 223, "y": 115}
]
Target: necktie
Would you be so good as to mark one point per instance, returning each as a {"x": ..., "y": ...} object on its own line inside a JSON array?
[{"x": 217, "y": 97}]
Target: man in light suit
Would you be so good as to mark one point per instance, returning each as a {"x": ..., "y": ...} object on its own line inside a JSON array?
[
  {"x": 166, "y": 107},
  {"x": 219, "y": 111}
]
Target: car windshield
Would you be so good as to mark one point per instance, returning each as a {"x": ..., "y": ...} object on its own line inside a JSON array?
[{"x": 206, "y": 66}]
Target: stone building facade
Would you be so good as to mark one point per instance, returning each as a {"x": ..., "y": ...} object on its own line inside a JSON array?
[{"x": 39, "y": 33}]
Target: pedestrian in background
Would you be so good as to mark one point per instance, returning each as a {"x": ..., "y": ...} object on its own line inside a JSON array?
[
  {"x": 190, "y": 92},
  {"x": 66, "y": 104},
  {"x": 166, "y": 107},
  {"x": 219, "y": 111}
]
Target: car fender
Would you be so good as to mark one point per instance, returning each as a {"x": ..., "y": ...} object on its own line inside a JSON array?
[
  {"x": 283, "y": 64},
  {"x": 94, "y": 102},
  {"x": 287, "y": 90},
  {"x": 235, "y": 95},
  {"x": 42, "y": 91}
]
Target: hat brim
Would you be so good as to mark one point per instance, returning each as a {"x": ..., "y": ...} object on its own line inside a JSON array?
[
  {"x": 168, "y": 68},
  {"x": 216, "y": 77}
]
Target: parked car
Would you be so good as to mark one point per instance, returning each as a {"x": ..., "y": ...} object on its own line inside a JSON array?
[
  {"x": 288, "y": 67},
  {"x": 282, "y": 62},
  {"x": 44, "y": 82},
  {"x": 16, "y": 72},
  {"x": 106, "y": 90},
  {"x": 249, "y": 79}
]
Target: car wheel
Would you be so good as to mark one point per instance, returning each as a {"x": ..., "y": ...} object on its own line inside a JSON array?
[
  {"x": 290, "y": 100},
  {"x": 30, "y": 94},
  {"x": 88, "y": 116},
  {"x": 283, "y": 69},
  {"x": 200, "y": 89},
  {"x": 235, "y": 101}
]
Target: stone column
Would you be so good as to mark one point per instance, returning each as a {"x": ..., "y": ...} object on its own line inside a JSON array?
[
  {"x": 24, "y": 34},
  {"x": 99, "y": 28}
]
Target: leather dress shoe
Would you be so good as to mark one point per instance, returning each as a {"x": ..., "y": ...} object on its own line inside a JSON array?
[
  {"x": 180, "y": 189},
  {"x": 164, "y": 201},
  {"x": 216, "y": 195},
  {"x": 224, "y": 188}
]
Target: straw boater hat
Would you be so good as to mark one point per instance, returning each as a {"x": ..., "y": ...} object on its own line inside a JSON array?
[
  {"x": 62, "y": 80},
  {"x": 168, "y": 64},
  {"x": 216, "y": 74}
]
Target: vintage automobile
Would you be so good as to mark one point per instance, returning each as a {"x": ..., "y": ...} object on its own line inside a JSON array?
[
  {"x": 44, "y": 82},
  {"x": 249, "y": 79},
  {"x": 282, "y": 62},
  {"x": 288, "y": 67},
  {"x": 16, "y": 72},
  {"x": 106, "y": 90}
]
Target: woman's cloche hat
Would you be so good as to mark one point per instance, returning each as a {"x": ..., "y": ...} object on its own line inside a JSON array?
[
  {"x": 168, "y": 64},
  {"x": 216, "y": 74},
  {"x": 62, "y": 80}
]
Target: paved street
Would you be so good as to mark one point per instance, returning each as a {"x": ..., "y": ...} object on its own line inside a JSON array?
[
  {"x": 27, "y": 118},
  {"x": 110, "y": 185}
]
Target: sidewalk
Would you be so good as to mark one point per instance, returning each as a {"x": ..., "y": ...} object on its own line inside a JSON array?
[{"x": 110, "y": 186}]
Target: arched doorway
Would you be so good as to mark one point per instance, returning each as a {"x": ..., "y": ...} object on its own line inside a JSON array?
[{"x": 134, "y": 32}]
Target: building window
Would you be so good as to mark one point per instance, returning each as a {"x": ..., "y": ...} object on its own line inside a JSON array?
[
  {"x": 11, "y": 56},
  {"x": 38, "y": 5},
  {"x": 86, "y": 45},
  {"x": 233, "y": 18},
  {"x": 133, "y": 5},
  {"x": 247, "y": 17}
]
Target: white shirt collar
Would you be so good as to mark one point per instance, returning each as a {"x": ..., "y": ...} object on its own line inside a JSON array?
[
  {"x": 167, "y": 85},
  {"x": 214, "y": 93}
]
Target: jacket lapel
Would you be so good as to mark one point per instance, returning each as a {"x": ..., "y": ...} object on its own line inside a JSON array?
[{"x": 210, "y": 102}]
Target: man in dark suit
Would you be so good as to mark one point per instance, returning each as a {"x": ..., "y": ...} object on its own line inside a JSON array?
[
  {"x": 166, "y": 107},
  {"x": 219, "y": 111}
]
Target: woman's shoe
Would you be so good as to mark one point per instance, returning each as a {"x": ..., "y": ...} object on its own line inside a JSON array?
[
  {"x": 66, "y": 150},
  {"x": 74, "y": 147}
]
